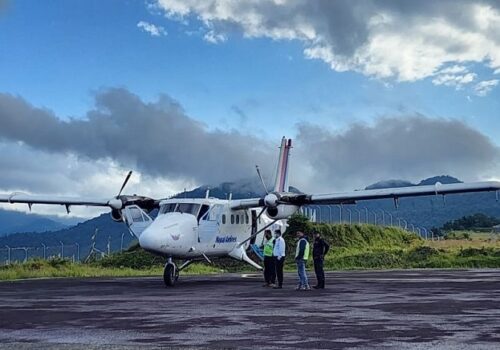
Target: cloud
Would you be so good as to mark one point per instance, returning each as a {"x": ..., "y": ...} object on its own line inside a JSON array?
[
  {"x": 454, "y": 76},
  {"x": 214, "y": 38},
  {"x": 413, "y": 148},
  {"x": 152, "y": 29},
  {"x": 28, "y": 170},
  {"x": 401, "y": 40},
  {"x": 168, "y": 150},
  {"x": 156, "y": 138},
  {"x": 484, "y": 87}
]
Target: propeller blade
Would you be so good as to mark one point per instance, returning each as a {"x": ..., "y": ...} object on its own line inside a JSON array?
[
  {"x": 261, "y": 179},
  {"x": 256, "y": 233},
  {"x": 124, "y": 183},
  {"x": 261, "y": 212}
]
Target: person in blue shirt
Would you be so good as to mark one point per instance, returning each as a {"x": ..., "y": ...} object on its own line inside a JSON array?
[{"x": 279, "y": 256}]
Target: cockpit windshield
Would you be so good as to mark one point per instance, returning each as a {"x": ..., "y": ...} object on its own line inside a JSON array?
[
  {"x": 168, "y": 208},
  {"x": 186, "y": 208}
]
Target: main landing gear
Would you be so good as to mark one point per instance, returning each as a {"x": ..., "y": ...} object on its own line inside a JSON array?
[{"x": 171, "y": 272}]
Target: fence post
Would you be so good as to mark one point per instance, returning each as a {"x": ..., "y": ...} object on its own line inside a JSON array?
[
  {"x": 77, "y": 252},
  {"x": 44, "y": 252},
  {"x": 62, "y": 250},
  {"x": 8, "y": 255}
]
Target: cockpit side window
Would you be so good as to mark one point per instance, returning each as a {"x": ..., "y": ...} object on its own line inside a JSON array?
[{"x": 203, "y": 215}]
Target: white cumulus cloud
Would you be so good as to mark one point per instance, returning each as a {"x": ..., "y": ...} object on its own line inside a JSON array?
[
  {"x": 152, "y": 29},
  {"x": 400, "y": 40},
  {"x": 483, "y": 88},
  {"x": 454, "y": 76}
]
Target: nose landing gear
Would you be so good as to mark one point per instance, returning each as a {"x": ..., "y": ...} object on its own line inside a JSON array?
[{"x": 171, "y": 272}]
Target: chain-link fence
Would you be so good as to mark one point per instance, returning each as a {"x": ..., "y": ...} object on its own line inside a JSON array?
[
  {"x": 361, "y": 215},
  {"x": 10, "y": 255}
]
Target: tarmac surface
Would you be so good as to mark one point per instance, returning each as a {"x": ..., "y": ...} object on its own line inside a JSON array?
[{"x": 422, "y": 309}]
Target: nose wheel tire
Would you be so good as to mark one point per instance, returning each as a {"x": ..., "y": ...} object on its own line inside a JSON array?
[{"x": 170, "y": 275}]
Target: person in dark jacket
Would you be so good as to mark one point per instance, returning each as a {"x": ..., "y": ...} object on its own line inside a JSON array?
[{"x": 320, "y": 249}]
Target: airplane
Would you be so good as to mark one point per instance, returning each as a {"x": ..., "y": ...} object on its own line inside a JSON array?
[{"x": 202, "y": 229}]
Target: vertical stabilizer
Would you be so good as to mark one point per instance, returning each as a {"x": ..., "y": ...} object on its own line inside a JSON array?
[{"x": 281, "y": 181}]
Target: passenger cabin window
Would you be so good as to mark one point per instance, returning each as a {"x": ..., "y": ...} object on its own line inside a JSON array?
[
  {"x": 232, "y": 219},
  {"x": 246, "y": 219},
  {"x": 223, "y": 219},
  {"x": 237, "y": 219}
]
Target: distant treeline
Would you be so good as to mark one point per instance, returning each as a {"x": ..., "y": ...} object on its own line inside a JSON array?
[{"x": 471, "y": 222}]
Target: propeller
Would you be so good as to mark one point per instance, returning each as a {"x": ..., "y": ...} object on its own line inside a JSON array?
[
  {"x": 120, "y": 201},
  {"x": 261, "y": 179},
  {"x": 124, "y": 183}
]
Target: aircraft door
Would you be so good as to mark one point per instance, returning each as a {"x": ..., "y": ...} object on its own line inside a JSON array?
[
  {"x": 136, "y": 219},
  {"x": 254, "y": 226},
  {"x": 209, "y": 225}
]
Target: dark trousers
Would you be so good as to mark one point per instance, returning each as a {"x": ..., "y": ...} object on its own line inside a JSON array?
[
  {"x": 269, "y": 270},
  {"x": 279, "y": 270},
  {"x": 320, "y": 273}
]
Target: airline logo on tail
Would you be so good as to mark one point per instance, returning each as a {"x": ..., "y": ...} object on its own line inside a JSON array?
[{"x": 281, "y": 181}]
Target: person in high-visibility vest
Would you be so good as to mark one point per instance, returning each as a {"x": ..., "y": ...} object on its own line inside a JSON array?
[
  {"x": 301, "y": 256},
  {"x": 269, "y": 266}
]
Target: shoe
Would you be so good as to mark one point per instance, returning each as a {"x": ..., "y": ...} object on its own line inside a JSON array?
[
  {"x": 277, "y": 287},
  {"x": 307, "y": 288},
  {"x": 265, "y": 285},
  {"x": 299, "y": 287},
  {"x": 271, "y": 285},
  {"x": 316, "y": 287}
]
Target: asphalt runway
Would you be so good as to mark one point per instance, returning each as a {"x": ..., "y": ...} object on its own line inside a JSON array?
[{"x": 438, "y": 309}]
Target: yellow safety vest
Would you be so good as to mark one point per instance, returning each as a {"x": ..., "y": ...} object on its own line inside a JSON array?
[
  {"x": 306, "y": 249},
  {"x": 268, "y": 247}
]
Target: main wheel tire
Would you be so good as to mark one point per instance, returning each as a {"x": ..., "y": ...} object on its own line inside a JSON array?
[{"x": 170, "y": 275}]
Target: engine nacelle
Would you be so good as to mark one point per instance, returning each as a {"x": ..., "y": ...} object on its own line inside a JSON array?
[
  {"x": 116, "y": 215},
  {"x": 282, "y": 211}
]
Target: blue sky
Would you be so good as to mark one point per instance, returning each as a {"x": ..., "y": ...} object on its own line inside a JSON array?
[{"x": 57, "y": 54}]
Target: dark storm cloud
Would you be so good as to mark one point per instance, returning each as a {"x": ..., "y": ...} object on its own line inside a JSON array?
[
  {"x": 410, "y": 148},
  {"x": 160, "y": 140},
  {"x": 157, "y": 138}
]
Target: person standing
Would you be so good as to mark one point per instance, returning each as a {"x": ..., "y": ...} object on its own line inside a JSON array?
[
  {"x": 320, "y": 249},
  {"x": 301, "y": 256},
  {"x": 269, "y": 268},
  {"x": 279, "y": 257}
]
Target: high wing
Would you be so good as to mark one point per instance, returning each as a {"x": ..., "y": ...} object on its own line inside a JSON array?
[
  {"x": 113, "y": 203},
  {"x": 116, "y": 203},
  {"x": 354, "y": 196},
  {"x": 413, "y": 191}
]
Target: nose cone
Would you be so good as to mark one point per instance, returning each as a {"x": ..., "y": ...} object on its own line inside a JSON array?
[
  {"x": 150, "y": 239},
  {"x": 169, "y": 232}
]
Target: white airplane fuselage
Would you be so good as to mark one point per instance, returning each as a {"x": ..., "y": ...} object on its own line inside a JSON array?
[{"x": 199, "y": 228}]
